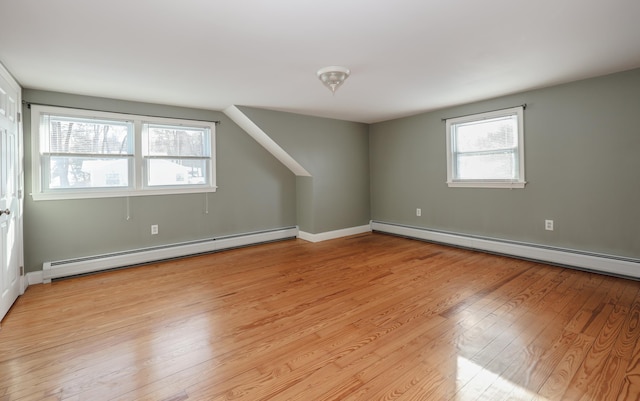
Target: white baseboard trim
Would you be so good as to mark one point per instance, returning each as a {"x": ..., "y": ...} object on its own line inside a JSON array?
[
  {"x": 602, "y": 263},
  {"x": 91, "y": 264},
  {"x": 345, "y": 232},
  {"x": 34, "y": 278}
]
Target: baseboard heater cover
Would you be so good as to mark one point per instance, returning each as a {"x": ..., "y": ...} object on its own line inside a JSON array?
[
  {"x": 595, "y": 262},
  {"x": 92, "y": 264}
]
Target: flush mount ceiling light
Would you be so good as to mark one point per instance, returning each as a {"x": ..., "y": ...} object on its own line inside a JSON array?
[{"x": 332, "y": 77}]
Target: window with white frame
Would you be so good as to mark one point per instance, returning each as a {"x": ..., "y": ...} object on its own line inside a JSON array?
[
  {"x": 486, "y": 150},
  {"x": 175, "y": 155},
  {"x": 87, "y": 154}
]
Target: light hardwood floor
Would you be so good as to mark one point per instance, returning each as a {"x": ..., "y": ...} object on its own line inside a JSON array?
[{"x": 369, "y": 317}]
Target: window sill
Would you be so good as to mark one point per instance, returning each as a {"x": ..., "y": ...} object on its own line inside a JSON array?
[
  {"x": 486, "y": 184},
  {"x": 118, "y": 194}
]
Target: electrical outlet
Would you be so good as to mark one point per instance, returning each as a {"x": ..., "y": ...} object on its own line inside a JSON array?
[
  {"x": 154, "y": 229},
  {"x": 548, "y": 225},
  {"x": 418, "y": 212}
]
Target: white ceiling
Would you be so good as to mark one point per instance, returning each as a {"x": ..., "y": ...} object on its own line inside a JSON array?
[{"x": 406, "y": 56}]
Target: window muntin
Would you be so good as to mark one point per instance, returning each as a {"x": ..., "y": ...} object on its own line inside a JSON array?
[
  {"x": 486, "y": 150},
  {"x": 83, "y": 154}
]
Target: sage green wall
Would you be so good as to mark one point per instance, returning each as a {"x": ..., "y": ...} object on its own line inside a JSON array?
[
  {"x": 304, "y": 204},
  {"x": 582, "y": 159},
  {"x": 255, "y": 192},
  {"x": 582, "y": 168},
  {"x": 336, "y": 154}
]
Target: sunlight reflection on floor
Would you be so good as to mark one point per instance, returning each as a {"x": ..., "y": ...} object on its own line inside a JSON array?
[{"x": 473, "y": 382}]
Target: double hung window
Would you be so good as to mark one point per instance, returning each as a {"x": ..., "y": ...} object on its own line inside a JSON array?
[
  {"x": 85, "y": 154},
  {"x": 176, "y": 155},
  {"x": 486, "y": 150}
]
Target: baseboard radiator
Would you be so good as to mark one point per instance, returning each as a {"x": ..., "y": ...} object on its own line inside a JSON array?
[
  {"x": 92, "y": 264},
  {"x": 595, "y": 262}
]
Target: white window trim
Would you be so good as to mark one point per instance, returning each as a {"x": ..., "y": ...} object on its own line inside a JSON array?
[
  {"x": 138, "y": 188},
  {"x": 520, "y": 183}
]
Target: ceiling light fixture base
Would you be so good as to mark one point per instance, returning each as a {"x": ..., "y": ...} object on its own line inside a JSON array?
[{"x": 333, "y": 76}]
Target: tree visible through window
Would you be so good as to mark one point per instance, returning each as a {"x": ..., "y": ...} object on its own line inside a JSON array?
[
  {"x": 82, "y": 153},
  {"x": 74, "y": 149},
  {"x": 176, "y": 155}
]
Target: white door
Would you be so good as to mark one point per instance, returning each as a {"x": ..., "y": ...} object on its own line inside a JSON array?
[{"x": 10, "y": 205}]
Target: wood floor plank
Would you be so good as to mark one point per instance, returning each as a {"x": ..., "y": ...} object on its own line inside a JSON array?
[
  {"x": 630, "y": 388},
  {"x": 629, "y": 333},
  {"x": 367, "y": 317},
  {"x": 558, "y": 381},
  {"x": 609, "y": 386},
  {"x": 591, "y": 372}
]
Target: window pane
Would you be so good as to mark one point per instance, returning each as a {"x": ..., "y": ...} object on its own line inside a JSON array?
[
  {"x": 176, "y": 172},
  {"x": 167, "y": 140},
  {"x": 492, "y": 134},
  {"x": 88, "y": 136},
  {"x": 84, "y": 172},
  {"x": 496, "y": 166}
]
